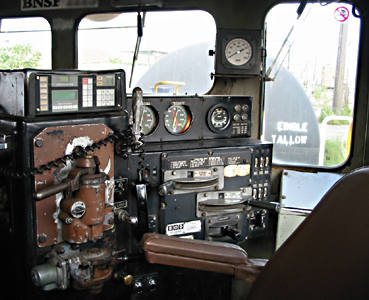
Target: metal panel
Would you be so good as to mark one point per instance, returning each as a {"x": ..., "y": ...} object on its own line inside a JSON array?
[{"x": 300, "y": 193}]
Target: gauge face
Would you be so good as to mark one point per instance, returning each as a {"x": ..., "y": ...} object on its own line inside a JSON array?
[
  {"x": 149, "y": 120},
  {"x": 177, "y": 119},
  {"x": 238, "y": 51},
  {"x": 219, "y": 118}
]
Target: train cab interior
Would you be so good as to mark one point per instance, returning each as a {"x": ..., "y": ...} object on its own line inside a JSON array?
[{"x": 166, "y": 149}]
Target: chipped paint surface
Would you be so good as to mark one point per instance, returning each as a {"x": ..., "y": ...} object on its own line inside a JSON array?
[
  {"x": 83, "y": 141},
  {"x": 59, "y": 141}
]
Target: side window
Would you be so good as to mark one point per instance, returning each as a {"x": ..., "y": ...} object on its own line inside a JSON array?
[
  {"x": 173, "y": 50},
  {"x": 25, "y": 43},
  {"x": 310, "y": 87}
]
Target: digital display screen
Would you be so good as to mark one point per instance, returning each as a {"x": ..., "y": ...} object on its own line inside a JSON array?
[
  {"x": 64, "y": 100},
  {"x": 109, "y": 81},
  {"x": 65, "y": 95},
  {"x": 64, "y": 80}
]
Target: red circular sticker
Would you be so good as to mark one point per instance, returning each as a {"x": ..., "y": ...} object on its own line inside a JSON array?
[{"x": 341, "y": 14}]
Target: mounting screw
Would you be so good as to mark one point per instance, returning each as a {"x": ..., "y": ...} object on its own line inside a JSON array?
[
  {"x": 39, "y": 142},
  {"x": 42, "y": 238},
  {"x": 138, "y": 287}
]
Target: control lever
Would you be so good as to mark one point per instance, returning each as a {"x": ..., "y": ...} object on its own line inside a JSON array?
[
  {"x": 125, "y": 216},
  {"x": 142, "y": 214},
  {"x": 166, "y": 188},
  {"x": 273, "y": 206},
  {"x": 231, "y": 232},
  {"x": 85, "y": 165},
  {"x": 141, "y": 191}
]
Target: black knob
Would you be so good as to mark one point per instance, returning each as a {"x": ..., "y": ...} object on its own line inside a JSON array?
[{"x": 231, "y": 232}]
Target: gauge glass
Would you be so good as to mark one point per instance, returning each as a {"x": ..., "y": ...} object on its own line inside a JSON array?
[
  {"x": 177, "y": 119},
  {"x": 149, "y": 120},
  {"x": 219, "y": 118},
  {"x": 238, "y": 51}
]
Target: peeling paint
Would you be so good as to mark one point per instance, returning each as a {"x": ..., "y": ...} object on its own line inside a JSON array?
[{"x": 82, "y": 141}]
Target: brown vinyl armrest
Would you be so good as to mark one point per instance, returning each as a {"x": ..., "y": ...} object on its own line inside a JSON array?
[{"x": 201, "y": 255}]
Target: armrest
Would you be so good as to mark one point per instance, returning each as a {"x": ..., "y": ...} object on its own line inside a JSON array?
[{"x": 201, "y": 255}]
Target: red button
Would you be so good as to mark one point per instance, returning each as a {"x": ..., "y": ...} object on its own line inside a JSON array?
[{"x": 85, "y": 80}]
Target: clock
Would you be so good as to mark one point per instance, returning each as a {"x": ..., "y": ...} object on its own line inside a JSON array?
[{"x": 239, "y": 52}]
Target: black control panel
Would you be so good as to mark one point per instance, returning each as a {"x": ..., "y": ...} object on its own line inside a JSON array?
[
  {"x": 61, "y": 92},
  {"x": 93, "y": 171},
  {"x": 212, "y": 189},
  {"x": 195, "y": 118}
]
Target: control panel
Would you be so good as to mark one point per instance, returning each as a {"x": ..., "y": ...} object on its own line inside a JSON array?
[
  {"x": 62, "y": 92},
  {"x": 93, "y": 171},
  {"x": 195, "y": 118},
  {"x": 212, "y": 192}
]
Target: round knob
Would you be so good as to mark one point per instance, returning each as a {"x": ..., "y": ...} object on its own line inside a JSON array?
[{"x": 128, "y": 280}]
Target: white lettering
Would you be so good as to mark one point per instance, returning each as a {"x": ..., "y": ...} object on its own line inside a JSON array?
[
  {"x": 289, "y": 140},
  {"x": 292, "y": 126}
]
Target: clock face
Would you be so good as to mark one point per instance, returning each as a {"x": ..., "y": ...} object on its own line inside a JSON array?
[{"x": 238, "y": 51}]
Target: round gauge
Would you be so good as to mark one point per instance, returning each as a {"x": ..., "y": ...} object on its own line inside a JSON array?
[
  {"x": 238, "y": 51},
  {"x": 218, "y": 118},
  {"x": 149, "y": 119},
  {"x": 177, "y": 119}
]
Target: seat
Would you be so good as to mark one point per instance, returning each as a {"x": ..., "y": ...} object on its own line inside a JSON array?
[{"x": 326, "y": 257}]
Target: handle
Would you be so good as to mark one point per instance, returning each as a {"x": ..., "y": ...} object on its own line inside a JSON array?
[
  {"x": 273, "y": 206},
  {"x": 52, "y": 190},
  {"x": 231, "y": 232}
]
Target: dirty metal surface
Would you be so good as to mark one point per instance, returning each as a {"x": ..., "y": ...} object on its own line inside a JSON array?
[{"x": 53, "y": 143}]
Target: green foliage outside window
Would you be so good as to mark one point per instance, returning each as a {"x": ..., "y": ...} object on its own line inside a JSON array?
[{"x": 19, "y": 57}]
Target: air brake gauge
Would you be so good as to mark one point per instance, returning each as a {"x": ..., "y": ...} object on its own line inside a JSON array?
[
  {"x": 177, "y": 119},
  {"x": 238, "y": 51},
  {"x": 218, "y": 118},
  {"x": 149, "y": 120}
]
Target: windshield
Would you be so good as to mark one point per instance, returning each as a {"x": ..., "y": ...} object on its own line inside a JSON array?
[
  {"x": 173, "y": 56},
  {"x": 311, "y": 82}
]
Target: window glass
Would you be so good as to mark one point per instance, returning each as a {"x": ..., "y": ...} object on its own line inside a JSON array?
[
  {"x": 173, "y": 51},
  {"x": 310, "y": 86},
  {"x": 25, "y": 43}
]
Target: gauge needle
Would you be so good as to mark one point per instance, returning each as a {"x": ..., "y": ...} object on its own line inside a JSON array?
[
  {"x": 144, "y": 119},
  {"x": 238, "y": 52},
  {"x": 175, "y": 118}
]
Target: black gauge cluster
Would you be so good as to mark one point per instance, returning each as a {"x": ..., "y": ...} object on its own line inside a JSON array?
[{"x": 195, "y": 117}]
